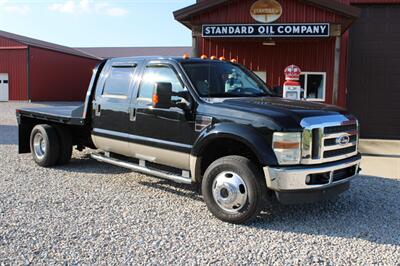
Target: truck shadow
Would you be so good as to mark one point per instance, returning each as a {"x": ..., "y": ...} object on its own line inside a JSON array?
[
  {"x": 181, "y": 190},
  {"x": 84, "y": 164},
  {"x": 369, "y": 211},
  {"x": 8, "y": 135}
]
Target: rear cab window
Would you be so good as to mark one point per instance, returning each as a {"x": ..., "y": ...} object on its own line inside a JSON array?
[{"x": 119, "y": 81}]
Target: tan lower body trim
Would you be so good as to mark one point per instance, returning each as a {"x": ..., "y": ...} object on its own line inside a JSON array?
[{"x": 152, "y": 154}]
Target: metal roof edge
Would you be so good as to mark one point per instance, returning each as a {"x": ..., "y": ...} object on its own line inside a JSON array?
[{"x": 46, "y": 45}]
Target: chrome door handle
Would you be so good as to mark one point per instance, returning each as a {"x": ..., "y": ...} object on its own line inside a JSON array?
[
  {"x": 97, "y": 108},
  {"x": 132, "y": 114}
]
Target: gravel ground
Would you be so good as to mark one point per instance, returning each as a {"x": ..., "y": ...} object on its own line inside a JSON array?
[{"x": 92, "y": 213}]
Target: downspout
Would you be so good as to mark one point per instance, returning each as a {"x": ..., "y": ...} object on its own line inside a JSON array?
[
  {"x": 196, "y": 33},
  {"x": 28, "y": 87},
  {"x": 194, "y": 46},
  {"x": 336, "y": 71}
]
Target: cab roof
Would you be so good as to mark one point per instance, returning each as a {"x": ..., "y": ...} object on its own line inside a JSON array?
[{"x": 171, "y": 58}]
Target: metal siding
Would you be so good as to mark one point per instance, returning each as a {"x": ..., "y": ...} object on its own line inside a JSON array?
[
  {"x": 373, "y": 1},
  {"x": 7, "y": 43},
  {"x": 238, "y": 12},
  {"x": 14, "y": 62},
  {"x": 310, "y": 55},
  {"x": 373, "y": 85},
  {"x": 316, "y": 55},
  {"x": 56, "y": 76}
]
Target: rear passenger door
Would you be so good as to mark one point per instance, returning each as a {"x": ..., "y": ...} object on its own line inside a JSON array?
[{"x": 111, "y": 107}]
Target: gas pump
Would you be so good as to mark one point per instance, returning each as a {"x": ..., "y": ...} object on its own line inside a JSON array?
[{"x": 292, "y": 86}]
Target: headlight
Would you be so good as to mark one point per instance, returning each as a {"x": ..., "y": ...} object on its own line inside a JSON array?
[{"x": 287, "y": 147}]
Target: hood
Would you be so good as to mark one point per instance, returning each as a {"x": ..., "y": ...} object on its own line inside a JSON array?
[{"x": 283, "y": 111}]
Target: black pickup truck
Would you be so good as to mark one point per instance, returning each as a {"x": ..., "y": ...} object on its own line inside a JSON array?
[{"x": 201, "y": 121}]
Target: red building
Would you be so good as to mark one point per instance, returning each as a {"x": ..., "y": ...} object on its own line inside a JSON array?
[
  {"x": 35, "y": 70},
  {"x": 351, "y": 63}
]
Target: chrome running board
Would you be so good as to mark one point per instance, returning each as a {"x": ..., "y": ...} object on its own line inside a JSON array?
[{"x": 142, "y": 169}]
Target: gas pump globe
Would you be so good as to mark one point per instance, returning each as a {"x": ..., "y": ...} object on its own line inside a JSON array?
[{"x": 292, "y": 86}]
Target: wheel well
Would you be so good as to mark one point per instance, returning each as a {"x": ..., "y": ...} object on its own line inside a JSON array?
[{"x": 224, "y": 147}]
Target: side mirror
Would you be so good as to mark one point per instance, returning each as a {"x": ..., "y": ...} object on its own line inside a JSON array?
[{"x": 162, "y": 94}]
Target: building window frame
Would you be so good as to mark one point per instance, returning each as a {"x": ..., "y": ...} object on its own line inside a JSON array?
[
  {"x": 305, "y": 74},
  {"x": 262, "y": 75}
]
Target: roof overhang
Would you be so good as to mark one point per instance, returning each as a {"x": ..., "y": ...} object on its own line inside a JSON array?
[{"x": 351, "y": 13}]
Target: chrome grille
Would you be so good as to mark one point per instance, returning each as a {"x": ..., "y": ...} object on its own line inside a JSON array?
[
  {"x": 339, "y": 129},
  {"x": 329, "y": 138}
]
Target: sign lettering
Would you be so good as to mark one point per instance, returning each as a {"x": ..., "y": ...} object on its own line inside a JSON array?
[{"x": 266, "y": 30}]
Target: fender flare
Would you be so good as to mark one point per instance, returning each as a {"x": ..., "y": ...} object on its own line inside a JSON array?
[{"x": 247, "y": 135}]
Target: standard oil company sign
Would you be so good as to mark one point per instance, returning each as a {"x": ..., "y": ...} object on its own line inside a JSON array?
[{"x": 266, "y": 30}]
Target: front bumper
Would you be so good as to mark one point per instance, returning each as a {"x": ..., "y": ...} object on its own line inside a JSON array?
[{"x": 295, "y": 178}]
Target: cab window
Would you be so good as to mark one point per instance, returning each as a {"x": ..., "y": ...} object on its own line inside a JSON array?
[
  {"x": 119, "y": 81},
  {"x": 154, "y": 74}
]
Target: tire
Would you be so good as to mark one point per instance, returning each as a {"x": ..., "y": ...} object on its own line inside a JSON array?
[
  {"x": 64, "y": 135},
  {"x": 45, "y": 147},
  {"x": 238, "y": 175}
]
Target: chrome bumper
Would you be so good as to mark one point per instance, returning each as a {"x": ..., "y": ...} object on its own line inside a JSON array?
[{"x": 294, "y": 178}]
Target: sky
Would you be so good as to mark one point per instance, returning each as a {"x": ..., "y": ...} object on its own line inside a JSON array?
[{"x": 97, "y": 23}]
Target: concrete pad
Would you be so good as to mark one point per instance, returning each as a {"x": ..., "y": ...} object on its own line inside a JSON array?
[
  {"x": 380, "y": 147},
  {"x": 381, "y": 166}
]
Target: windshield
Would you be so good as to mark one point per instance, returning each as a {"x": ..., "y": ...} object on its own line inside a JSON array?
[{"x": 223, "y": 80}]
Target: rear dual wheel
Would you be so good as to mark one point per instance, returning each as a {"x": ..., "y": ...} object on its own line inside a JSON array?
[
  {"x": 233, "y": 189},
  {"x": 50, "y": 145}
]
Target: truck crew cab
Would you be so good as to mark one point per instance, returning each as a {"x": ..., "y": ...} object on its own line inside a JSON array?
[{"x": 202, "y": 121}]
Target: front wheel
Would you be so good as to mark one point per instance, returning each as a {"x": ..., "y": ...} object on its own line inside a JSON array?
[{"x": 233, "y": 189}]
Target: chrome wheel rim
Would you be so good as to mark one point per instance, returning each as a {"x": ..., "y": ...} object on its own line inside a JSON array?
[
  {"x": 39, "y": 145},
  {"x": 230, "y": 192}
]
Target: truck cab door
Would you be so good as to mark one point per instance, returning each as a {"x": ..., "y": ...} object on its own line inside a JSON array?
[
  {"x": 112, "y": 106},
  {"x": 162, "y": 136}
]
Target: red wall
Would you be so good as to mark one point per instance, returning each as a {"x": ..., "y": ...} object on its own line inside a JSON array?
[
  {"x": 13, "y": 60},
  {"x": 55, "y": 76},
  {"x": 310, "y": 55},
  {"x": 7, "y": 43},
  {"x": 239, "y": 12},
  {"x": 371, "y": 1},
  {"x": 316, "y": 55}
]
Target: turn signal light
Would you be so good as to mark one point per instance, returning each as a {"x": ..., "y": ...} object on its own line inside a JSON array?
[
  {"x": 286, "y": 145},
  {"x": 155, "y": 99},
  {"x": 213, "y": 57},
  {"x": 203, "y": 57},
  {"x": 186, "y": 56}
]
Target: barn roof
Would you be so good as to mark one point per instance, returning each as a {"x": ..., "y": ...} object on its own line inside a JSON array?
[
  {"x": 46, "y": 45},
  {"x": 109, "y": 52}
]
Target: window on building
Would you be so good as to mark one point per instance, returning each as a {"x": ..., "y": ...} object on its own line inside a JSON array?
[
  {"x": 5, "y": 81},
  {"x": 154, "y": 74},
  {"x": 262, "y": 75},
  {"x": 314, "y": 85},
  {"x": 119, "y": 81}
]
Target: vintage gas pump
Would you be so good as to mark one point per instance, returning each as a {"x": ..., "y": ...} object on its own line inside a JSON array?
[{"x": 292, "y": 87}]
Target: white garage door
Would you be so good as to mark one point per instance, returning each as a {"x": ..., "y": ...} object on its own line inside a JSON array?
[{"x": 3, "y": 87}]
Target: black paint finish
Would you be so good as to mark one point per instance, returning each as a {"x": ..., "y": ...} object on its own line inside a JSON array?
[{"x": 250, "y": 121}]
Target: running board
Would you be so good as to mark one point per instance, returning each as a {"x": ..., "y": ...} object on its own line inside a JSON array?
[{"x": 142, "y": 169}]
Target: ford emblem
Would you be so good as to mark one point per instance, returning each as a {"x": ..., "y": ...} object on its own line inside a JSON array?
[{"x": 343, "y": 140}]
